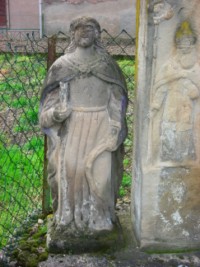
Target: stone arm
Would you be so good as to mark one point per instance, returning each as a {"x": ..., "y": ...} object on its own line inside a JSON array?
[
  {"x": 116, "y": 116},
  {"x": 51, "y": 112},
  {"x": 158, "y": 99},
  {"x": 192, "y": 89},
  {"x": 46, "y": 114}
]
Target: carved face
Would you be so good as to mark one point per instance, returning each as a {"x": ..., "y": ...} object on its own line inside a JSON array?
[
  {"x": 187, "y": 57},
  {"x": 84, "y": 35}
]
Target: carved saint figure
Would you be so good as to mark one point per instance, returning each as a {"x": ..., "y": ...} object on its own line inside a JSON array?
[
  {"x": 83, "y": 107},
  {"x": 176, "y": 90}
]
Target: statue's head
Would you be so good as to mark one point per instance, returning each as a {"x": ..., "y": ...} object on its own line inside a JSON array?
[
  {"x": 84, "y": 32},
  {"x": 185, "y": 42}
]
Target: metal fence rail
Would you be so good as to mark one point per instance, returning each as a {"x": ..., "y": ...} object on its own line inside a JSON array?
[{"x": 23, "y": 65}]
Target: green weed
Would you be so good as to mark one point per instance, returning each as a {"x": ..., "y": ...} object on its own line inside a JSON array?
[
  {"x": 27, "y": 120},
  {"x": 21, "y": 166},
  {"x": 35, "y": 144},
  {"x": 128, "y": 68},
  {"x": 21, "y": 183},
  {"x": 125, "y": 185}
]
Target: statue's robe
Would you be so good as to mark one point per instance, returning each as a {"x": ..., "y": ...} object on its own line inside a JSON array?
[{"x": 83, "y": 174}]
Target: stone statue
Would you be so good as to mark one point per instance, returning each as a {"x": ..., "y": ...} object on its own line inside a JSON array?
[
  {"x": 83, "y": 105},
  {"x": 176, "y": 91}
]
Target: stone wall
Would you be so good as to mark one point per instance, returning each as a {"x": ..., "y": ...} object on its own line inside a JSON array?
[
  {"x": 22, "y": 15},
  {"x": 113, "y": 15},
  {"x": 166, "y": 202},
  {"x": 75, "y": 2}
]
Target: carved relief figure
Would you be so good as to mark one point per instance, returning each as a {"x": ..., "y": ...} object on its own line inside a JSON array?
[
  {"x": 83, "y": 107},
  {"x": 162, "y": 11},
  {"x": 176, "y": 90}
]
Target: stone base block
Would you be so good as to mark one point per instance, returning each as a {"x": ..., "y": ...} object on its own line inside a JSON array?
[
  {"x": 69, "y": 239},
  {"x": 169, "y": 213}
]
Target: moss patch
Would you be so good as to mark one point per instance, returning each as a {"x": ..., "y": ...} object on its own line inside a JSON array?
[
  {"x": 184, "y": 29},
  {"x": 31, "y": 248},
  {"x": 184, "y": 33},
  {"x": 71, "y": 241}
]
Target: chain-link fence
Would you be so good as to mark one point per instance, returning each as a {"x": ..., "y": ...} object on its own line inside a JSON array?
[
  {"x": 21, "y": 142},
  {"x": 23, "y": 63}
]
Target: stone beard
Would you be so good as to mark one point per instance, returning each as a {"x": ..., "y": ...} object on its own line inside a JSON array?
[{"x": 83, "y": 107}]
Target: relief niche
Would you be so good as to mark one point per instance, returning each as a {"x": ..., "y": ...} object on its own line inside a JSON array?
[{"x": 174, "y": 112}]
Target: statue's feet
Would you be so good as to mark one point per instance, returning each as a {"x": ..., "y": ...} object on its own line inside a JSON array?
[
  {"x": 100, "y": 224},
  {"x": 81, "y": 217},
  {"x": 63, "y": 220}
]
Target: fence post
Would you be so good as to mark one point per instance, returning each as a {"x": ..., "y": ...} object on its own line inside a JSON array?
[{"x": 51, "y": 57}]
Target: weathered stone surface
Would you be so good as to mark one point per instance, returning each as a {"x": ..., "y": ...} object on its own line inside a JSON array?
[
  {"x": 70, "y": 240},
  {"x": 21, "y": 16},
  {"x": 83, "y": 106},
  {"x": 124, "y": 259},
  {"x": 167, "y": 171},
  {"x": 124, "y": 256},
  {"x": 76, "y": 2},
  {"x": 113, "y": 16}
]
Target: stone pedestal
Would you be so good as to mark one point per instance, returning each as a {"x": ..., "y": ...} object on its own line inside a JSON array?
[
  {"x": 71, "y": 240},
  {"x": 166, "y": 201}
]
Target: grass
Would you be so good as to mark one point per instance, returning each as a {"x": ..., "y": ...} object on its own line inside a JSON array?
[
  {"x": 21, "y": 143},
  {"x": 27, "y": 120},
  {"x": 21, "y": 181},
  {"x": 128, "y": 68},
  {"x": 20, "y": 80}
]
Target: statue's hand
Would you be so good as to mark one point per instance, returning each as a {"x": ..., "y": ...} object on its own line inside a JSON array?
[
  {"x": 60, "y": 115},
  {"x": 112, "y": 141}
]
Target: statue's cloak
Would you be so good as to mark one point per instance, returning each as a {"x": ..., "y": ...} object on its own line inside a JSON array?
[{"x": 65, "y": 70}]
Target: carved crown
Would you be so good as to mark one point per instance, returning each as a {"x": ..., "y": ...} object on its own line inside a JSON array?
[{"x": 184, "y": 36}]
